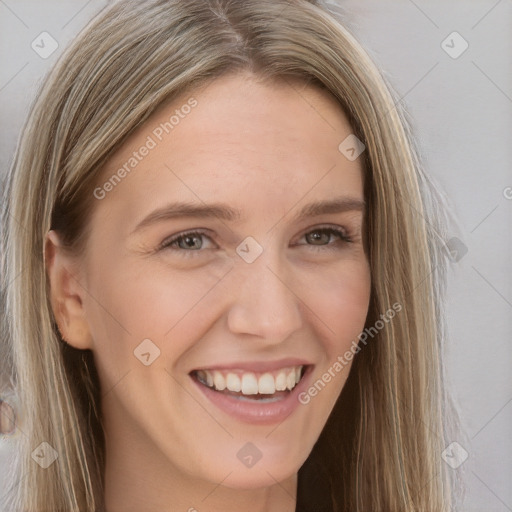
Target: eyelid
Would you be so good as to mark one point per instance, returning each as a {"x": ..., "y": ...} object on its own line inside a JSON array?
[
  {"x": 174, "y": 238},
  {"x": 345, "y": 237},
  {"x": 343, "y": 231}
]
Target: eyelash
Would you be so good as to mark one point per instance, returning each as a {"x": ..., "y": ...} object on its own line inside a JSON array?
[{"x": 344, "y": 238}]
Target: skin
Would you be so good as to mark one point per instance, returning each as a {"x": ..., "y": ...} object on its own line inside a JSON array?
[{"x": 266, "y": 149}]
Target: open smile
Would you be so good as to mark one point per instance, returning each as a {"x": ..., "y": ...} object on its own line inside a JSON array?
[{"x": 254, "y": 396}]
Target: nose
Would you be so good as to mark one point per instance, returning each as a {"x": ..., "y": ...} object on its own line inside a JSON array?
[{"x": 264, "y": 303}]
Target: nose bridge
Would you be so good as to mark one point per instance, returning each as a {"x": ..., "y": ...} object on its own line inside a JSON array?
[{"x": 263, "y": 303}]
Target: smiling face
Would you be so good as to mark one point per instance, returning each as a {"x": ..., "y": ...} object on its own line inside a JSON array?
[{"x": 262, "y": 281}]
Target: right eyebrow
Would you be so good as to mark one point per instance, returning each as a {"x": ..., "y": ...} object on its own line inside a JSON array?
[{"x": 227, "y": 213}]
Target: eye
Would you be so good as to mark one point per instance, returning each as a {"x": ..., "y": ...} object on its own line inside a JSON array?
[
  {"x": 190, "y": 241},
  {"x": 318, "y": 236}
]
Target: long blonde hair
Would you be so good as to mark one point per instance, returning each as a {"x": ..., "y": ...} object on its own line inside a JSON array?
[{"x": 381, "y": 448}]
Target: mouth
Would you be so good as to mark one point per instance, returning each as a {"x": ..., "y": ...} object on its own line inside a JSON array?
[
  {"x": 254, "y": 396},
  {"x": 243, "y": 385}
]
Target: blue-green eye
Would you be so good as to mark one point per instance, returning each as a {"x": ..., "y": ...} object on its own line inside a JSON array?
[
  {"x": 188, "y": 241},
  {"x": 191, "y": 242},
  {"x": 324, "y": 234}
]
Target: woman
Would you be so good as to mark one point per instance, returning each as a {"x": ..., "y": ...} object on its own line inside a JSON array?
[{"x": 225, "y": 272}]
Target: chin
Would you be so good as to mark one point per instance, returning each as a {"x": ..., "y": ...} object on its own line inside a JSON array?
[{"x": 260, "y": 477}]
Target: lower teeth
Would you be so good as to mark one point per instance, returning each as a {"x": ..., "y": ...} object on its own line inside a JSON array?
[
  {"x": 253, "y": 398},
  {"x": 264, "y": 400}
]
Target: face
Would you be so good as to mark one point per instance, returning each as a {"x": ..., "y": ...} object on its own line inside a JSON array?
[{"x": 224, "y": 276}]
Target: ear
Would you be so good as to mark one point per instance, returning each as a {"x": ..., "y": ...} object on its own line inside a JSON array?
[{"x": 66, "y": 293}]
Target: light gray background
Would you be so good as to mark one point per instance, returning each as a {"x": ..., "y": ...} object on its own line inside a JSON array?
[{"x": 461, "y": 110}]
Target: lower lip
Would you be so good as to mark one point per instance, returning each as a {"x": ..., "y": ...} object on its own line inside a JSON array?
[{"x": 264, "y": 413}]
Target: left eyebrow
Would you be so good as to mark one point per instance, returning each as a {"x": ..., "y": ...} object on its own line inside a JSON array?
[
  {"x": 337, "y": 205},
  {"x": 227, "y": 213}
]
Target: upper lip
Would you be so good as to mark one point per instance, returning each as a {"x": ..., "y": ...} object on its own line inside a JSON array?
[{"x": 256, "y": 366}]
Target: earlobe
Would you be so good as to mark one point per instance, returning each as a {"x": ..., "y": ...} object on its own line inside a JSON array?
[{"x": 66, "y": 293}]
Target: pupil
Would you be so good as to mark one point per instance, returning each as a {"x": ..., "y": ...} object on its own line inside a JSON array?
[
  {"x": 316, "y": 236},
  {"x": 189, "y": 240}
]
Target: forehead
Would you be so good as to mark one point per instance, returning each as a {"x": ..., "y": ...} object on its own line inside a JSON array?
[{"x": 261, "y": 146}]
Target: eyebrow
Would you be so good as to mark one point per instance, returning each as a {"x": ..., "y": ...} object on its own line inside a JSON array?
[{"x": 224, "y": 212}]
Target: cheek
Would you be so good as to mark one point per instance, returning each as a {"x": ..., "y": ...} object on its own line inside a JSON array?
[
  {"x": 156, "y": 301},
  {"x": 177, "y": 310},
  {"x": 129, "y": 302},
  {"x": 340, "y": 298},
  {"x": 132, "y": 302}
]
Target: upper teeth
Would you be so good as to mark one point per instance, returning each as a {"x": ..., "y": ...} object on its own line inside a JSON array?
[{"x": 250, "y": 383}]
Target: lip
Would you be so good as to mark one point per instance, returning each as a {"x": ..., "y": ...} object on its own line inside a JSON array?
[
  {"x": 267, "y": 413},
  {"x": 258, "y": 366}
]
